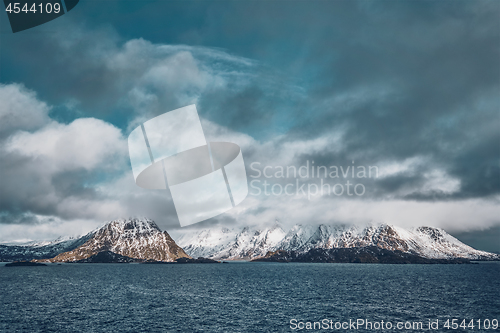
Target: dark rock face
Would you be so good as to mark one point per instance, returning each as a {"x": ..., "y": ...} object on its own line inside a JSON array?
[
  {"x": 369, "y": 254},
  {"x": 23, "y": 263},
  {"x": 200, "y": 260},
  {"x": 107, "y": 257}
]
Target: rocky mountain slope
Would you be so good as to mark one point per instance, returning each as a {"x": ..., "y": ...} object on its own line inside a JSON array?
[
  {"x": 133, "y": 238},
  {"x": 251, "y": 243}
]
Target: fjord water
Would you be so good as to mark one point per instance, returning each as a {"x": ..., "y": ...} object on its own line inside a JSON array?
[{"x": 239, "y": 297}]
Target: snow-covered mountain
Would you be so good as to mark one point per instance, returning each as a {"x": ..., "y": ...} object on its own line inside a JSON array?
[
  {"x": 41, "y": 250},
  {"x": 250, "y": 243},
  {"x": 230, "y": 243},
  {"x": 134, "y": 238},
  {"x": 142, "y": 239}
]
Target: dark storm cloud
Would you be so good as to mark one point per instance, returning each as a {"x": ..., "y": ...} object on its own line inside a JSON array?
[
  {"x": 404, "y": 78},
  {"x": 486, "y": 240}
]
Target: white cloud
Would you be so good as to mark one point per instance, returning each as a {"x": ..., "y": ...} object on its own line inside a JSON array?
[
  {"x": 459, "y": 215},
  {"x": 216, "y": 132},
  {"x": 407, "y": 166},
  {"x": 86, "y": 143},
  {"x": 42, "y": 168},
  {"x": 439, "y": 181},
  {"x": 48, "y": 228},
  {"x": 435, "y": 179},
  {"x": 20, "y": 109}
]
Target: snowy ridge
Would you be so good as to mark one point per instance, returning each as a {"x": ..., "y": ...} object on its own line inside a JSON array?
[
  {"x": 434, "y": 240},
  {"x": 249, "y": 243},
  {"x": 234, "y": 243}
]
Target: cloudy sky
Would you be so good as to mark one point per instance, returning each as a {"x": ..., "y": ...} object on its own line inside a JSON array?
[{"x": 411, "y": 87}]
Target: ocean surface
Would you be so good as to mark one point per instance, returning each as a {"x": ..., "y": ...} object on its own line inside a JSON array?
[{"x": 245, "y": 297}]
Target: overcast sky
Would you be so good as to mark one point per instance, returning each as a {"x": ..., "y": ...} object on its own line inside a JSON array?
[{"x": 411, "y": 87}]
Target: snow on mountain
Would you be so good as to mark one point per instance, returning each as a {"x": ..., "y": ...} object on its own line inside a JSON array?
[
  {"x": 41, "y": 250},
  {"x": 230, "y": 243},
  {"x": 142, "y": 239},
  {"x": 249, "y": 243},
  {"x": 35, "y": 243},
  {"x": 437, "y": 243},
  {"x": 134, "y": 238}
]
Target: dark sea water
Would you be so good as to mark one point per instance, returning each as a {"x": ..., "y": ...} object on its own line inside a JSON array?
[{"x": 242, "y": 297}]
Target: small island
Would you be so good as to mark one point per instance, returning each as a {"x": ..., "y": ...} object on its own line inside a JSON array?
[
  {"x": 184, "y": 260},
  {"x": 23, "y": 263}
]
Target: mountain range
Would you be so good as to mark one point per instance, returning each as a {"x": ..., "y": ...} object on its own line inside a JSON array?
[
  {"x": 250, "y": 243},
  {"x": 129, "y": 240}
]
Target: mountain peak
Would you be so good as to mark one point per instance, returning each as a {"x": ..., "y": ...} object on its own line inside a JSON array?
[
  {"x": 135, "y": 225},
  {"x": 133, "y": 237}
]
